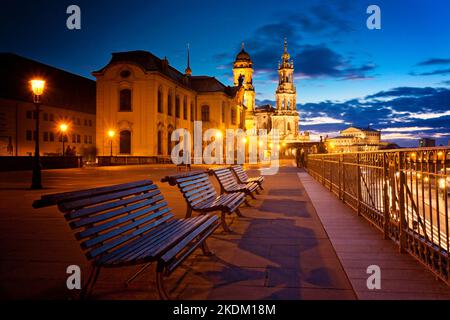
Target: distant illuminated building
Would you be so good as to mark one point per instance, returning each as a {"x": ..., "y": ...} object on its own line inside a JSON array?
[
  {"x": 427, "y": 142},
  {"x": 355, "y": 139}
]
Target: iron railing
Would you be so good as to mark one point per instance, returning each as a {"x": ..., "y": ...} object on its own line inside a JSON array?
[{"x": 404, "y": 193}]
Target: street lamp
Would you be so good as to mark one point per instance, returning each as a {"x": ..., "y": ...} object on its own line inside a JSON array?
[
  {"x": 111, "y": 134},
  {"x": 37, "y": 86},
  {"x": 63, "y": 129}
]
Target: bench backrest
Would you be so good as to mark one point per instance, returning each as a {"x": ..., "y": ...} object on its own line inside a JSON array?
[
  {"x": 240, "y": 172},
  {"x": 226, "y": 178},
  {"x": 195, "y": 187},
  {"x": 110, "y": 217}
]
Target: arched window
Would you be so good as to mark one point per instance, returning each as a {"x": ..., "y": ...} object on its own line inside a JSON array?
[
  {"x": 160, "y": 142},
  {"x": 169, "y": 103},
  {"x": 169, "y": 140},
  {"x": 177, "y": 106},
  {"x": 223, "y": 111},
  {"x": 125, "y": 100},
  {"x": 205, "y": 113},
  {"x": 160, "y": 100},
  {"x": 185, "y": 108},
  {"x": 125, "y": 142},
  {"x": 233, "y": 115},
  {"x": 289, "y": 126},
  {"x": 192, "y": 112}
]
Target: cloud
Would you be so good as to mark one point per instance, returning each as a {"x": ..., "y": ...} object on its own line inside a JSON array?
[
  {"x": 403, "y": 114},
  {"x": 434, "y": 61},
  {"x": 403, "y": 92},
  {"x": 429, "y": 115},
  {"x": 406, "y": 129},
  {"x": 310, "y": 121},
  {"x": 431, "y": 73},
  {"x": 321, "y": 21}
]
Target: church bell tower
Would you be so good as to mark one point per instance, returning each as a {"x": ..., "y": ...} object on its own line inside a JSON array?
[
  {"x": 243, "y": 75},
  {"x": 285, "y": 118}
]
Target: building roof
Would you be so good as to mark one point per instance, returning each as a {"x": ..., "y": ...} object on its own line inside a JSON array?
[
  {"x": 265, "y": 108},
  {"x": 368, "y": 129},
  {"x": 149, "y": 62},
  {"x": 63, "y": 89},
  {"x": 243, "y": 56}
]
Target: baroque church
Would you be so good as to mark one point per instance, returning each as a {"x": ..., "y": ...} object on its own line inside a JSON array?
[
  {"x": 142, "y": 99},
  {"x": 284, "y": 117}
]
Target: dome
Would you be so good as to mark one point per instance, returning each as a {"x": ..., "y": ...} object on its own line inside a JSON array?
[{"x": 243, "y": 56}]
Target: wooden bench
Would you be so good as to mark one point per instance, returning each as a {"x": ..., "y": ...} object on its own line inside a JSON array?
[
  {"x": 130, "y": 224},
  {"x": 200, "y": 195},
  {"x": 229, "y": 184},
  {"x": 242, "y": 176}
]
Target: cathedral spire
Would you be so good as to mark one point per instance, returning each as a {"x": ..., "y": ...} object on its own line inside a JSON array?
[
  {"x": 188, "y": 70},
  {"x": 285, "y": 45}
]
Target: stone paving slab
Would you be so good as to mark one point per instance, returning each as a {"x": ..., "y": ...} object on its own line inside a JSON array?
[{"x": 359, "y": 245}]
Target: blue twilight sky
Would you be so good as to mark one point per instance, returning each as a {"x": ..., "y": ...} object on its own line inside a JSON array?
[{"x": 396, "y": 79}]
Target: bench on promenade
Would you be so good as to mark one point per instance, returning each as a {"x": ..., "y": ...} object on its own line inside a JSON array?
[
  {"x": 243, "y": 177},
  {"x": 200, "y": 195},
  {"x": 130, "y": 224},
  {"x": 228, "y": 183}
]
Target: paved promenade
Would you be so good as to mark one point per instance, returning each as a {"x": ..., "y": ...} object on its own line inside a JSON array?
[{"x": 281, "y": 249}]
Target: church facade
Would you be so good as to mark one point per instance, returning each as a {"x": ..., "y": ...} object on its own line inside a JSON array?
[
  {"x": 142, "y": 99},
  {"x": 284, "y": 116}
]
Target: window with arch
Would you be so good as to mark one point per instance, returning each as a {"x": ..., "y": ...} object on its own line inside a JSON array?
[
  {"x": 169, "y": 103},
  {"x": 289, "y": 126},
  {"x": 223, "y": 111},
  {"x": 125, "y": 142},
  {"x": 205, "y": 113},
  {"x": 233, "y": 115},
  {"x": 177, "y": 106},
  {"x": 125, "y": 100},
  {"x": 160, "y": 142},
  {"x": 160, "y": 100},
  {"x": 192, "y": 112},
  {"x": 185, "y": 112},
  {"x": 169, "y": 140}
]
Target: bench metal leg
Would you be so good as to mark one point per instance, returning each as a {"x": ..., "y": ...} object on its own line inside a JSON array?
[
  {"x": 239, "y": 213},
  {"x": 134, "y": 276},
  {"x": 188, "y": 212},
  {"x": 225, "y": 227},
  {"x": 252, "y": 195},
  {"x": 160, "y": 282},
  {"x": 247, "y": 203},
  {"x": 89, "y": 286},
  {"x": 205, "y": 249}
]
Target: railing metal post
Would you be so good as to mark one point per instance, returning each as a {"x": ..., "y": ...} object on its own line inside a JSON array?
[
  {"x": 358, "y": 182},
  {"x": 343, "y": 179},
  {"x": 323, "y": 170},
  {"x": 339, "y": 176},
  {"x": 401, "y": 200},
  {"x": 387, "y": 216}
]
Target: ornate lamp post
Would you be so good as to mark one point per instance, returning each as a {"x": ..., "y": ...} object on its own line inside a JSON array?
[
  {"x": 111, "y": 134},
  {"x": 37, "y": 86},
  {"x": 63, "y": 129}
]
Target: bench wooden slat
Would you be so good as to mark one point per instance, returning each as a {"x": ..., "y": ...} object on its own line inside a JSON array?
[
  {"x": 110, "y": 205},
  {"x": 53, "y": 199},
  {"x": 155, "y": 245},
  {"x": 119, "y": 253},
  {"x": 169, "y": 255},
  {"x": 116, "y": 242},
  {"x": 79, "y": 203},
  {"x": 104, "y": 226},
  {"x": 228, "y": 182}
]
